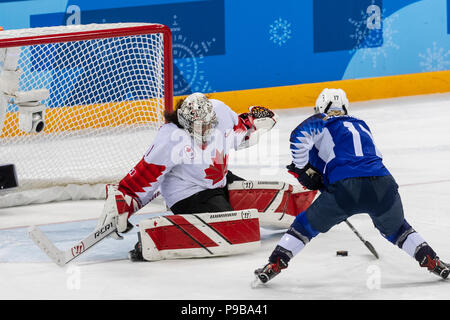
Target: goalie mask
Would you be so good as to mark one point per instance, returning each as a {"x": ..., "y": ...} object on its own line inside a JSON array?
[
  {"x": 331, "y": 100},
  {"x": 196, "y": 115}
]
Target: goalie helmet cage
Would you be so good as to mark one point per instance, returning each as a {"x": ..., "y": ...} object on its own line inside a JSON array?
[{"x": 106, "y": 85}]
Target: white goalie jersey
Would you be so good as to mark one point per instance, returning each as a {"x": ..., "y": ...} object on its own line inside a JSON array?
[{"x": 179, "y": 167}]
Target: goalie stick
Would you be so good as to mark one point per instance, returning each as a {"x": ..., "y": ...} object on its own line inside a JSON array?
[
  {"x": 366, "y": 243},
  {"x": 60, "y": 257}
]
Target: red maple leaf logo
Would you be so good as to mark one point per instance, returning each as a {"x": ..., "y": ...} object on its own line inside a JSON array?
[{"x": 218, "y": 169}]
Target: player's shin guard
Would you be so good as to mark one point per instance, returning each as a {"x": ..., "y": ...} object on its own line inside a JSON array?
[
  {"x": 295, "y": 239},
  {"x": 407, "y": 239},
  {"x": 199, "y": 235}
]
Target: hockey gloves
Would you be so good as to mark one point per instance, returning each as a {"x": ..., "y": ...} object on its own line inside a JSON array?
[
  {"x": 308, "y": 176},
  {"x": 259, "y": 118}
]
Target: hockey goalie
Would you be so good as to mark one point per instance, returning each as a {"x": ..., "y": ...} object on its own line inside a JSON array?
[{"x": 214, "y": 211}]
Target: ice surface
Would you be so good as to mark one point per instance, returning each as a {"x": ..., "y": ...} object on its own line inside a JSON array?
[{"x": 413, "y": 134}]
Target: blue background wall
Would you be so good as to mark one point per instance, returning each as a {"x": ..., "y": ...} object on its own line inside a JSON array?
[{"x": 225, "y": 45}]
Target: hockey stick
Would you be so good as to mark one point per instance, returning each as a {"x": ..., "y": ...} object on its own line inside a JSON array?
[
  {"x": 60, "y": 257},
  {"x": 366, "y": 243}
]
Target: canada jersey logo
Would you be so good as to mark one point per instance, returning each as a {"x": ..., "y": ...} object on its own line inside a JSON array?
[
  {"x": 218, "y": 169},
  {"x": 189, "y": 152}
]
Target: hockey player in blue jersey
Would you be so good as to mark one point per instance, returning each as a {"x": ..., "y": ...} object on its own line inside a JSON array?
[{"x": 335, "y": 153}]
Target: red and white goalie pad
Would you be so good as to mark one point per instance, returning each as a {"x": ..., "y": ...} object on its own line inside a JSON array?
[
  {"x": 200, "y": 235},
  {"x": 278, "y": 203}
]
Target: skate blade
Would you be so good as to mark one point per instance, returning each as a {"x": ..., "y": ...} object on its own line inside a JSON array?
[
  {"x": 444, "y": 274},
  {"x": 256, "y": 283}
]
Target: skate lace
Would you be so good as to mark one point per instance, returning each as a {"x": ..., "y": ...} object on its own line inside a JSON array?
[
  {"x": 278, "y": 266},
  {"x": 430, "y": 263}
]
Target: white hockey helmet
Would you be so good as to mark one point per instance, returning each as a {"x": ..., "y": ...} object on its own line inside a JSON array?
[
  {"x": 197, "y": 116},
  {"x": 330, "y": 100}
]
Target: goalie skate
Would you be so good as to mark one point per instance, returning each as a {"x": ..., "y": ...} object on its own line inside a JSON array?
[{"x": 136, "y": 254}]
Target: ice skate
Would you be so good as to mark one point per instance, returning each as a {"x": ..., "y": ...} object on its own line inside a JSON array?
[
  {"x": 270, "y": 270},
  {"x": 135, "y": 255},
  {"x": 436, "y": 266}
]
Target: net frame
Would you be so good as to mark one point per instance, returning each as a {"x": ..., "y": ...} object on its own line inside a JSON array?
[{"x": 65, "y": 34}]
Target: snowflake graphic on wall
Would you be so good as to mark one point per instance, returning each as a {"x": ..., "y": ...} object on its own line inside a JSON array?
[
  {"x": 435, "y": 59},
  {"x": 188, "y": 58},
  {"x": 373, "y": 42},
  {"x": 388, "y": 43},
  {"x": 280, "y": 31},
  {"x": 365, "y": 37}
]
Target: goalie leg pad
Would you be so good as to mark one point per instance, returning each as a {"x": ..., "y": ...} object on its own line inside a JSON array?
[
  {"x": 200, "y": 235},
  {"x": 278, "y": 203}
]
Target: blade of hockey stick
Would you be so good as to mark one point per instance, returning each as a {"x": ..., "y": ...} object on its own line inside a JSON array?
[
  {"x": 46, "y": 245},
  {"x": 366, "y": 243},
  {"x": 60, "y": 257}
]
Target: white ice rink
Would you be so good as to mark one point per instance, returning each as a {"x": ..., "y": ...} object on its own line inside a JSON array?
[{"x": 413, "y": 134}]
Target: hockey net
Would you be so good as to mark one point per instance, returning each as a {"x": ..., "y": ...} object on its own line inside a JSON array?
[{"x": 103, "y": 89}]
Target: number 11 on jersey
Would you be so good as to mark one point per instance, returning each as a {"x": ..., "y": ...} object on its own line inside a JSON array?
[{"x": 357, "y": 138}]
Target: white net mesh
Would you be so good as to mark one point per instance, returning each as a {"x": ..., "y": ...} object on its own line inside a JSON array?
[{"x": 106, "y": 103}]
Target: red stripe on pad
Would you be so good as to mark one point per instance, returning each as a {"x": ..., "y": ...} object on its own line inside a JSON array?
[
  {"x": 189, "y": 228},
  {"x": 183, "y": 235},
  {"x": 238, "y": 231},
  {"x": 300, "y": 202},
  {"x": 253, "y": 198}
]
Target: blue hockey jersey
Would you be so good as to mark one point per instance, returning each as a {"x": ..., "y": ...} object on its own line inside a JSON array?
[{"x": 339, "y": 147}]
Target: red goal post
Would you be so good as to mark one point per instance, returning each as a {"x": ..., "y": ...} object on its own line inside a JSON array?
[{"x": 99, "y": 91}]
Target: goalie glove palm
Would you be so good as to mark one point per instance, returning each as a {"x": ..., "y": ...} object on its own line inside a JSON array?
[{"x": 259, "y": 118}]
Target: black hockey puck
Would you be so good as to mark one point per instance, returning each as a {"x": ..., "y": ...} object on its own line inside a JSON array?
[{"x": 342, "y": 253}]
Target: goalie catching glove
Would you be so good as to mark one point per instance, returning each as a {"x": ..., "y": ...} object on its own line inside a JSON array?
[
  {"x": 308, "y": 176},
  {"x": 118, "y": 207},
  {"x": 257, "y": 121},
  {"x": 259, "y": 118}
]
